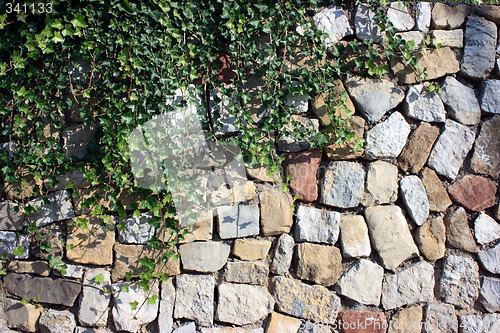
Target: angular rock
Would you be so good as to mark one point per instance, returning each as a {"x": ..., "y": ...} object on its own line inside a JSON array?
[
  {"x": 52, "y": 321},
  {"x": 242, "y": 304},
  {"x": 374, "y": 97},
  {"x": 21, "y": 316},
  {"x": 365, "y": 25},
  {"x": 471, "y": 323},
  {"x": 73, "y": 271},
  {"x": 479, "y": 50},
  {"x": 76, "y": 139},
  {"x": 325, "y": 272},
  {"x": 450, "y": 38},
  {"x": 474, "y": 192},
  {"x": 411, "y": 285},
  {"x": 459, "y": 284},
  {"x": 59, "y": 208},
  {"x": 343, "y": 184},
  {"x": 298, "y": 103},
  {"x": 398, "y": 15},
  {"x": 94, "y": 304},
  {"x": 381, "y": 184},
  {"x": 415, "y": 198},
  {"x": 415, "y": 37},
  {"x": 137, "y": 230},
  {"x": 362, "y": 321},
  {"x": 362, "y": 283},
  {"x": 449, "y": 17},
  {"x": 287, "y": 143},
  {"x": 251, "y": 249},
  {"x": 354, "y": 236},
  {"x": 283, "y": 324},
  {"x": 440, "y": 318},
  {"x": 30, "y": 267},
  {"x": 198, "y": 231},
  {"x": 187, "y": 328},
  {"x": 423, "y": 16},
  {"x": 282, "y": 255},
  {"x": 262, "y": 174},
  {"x": 491, "y": 322},
  {"x": 343, "y": 104},
  {"x": 458, "y": 234},
  {"x": 490, "y": 103},
  {"x": 276, "y": 212},
  {"x": 347, "y": 150},
  {"x": 417, "y": 149},
  {"x": 246, "y": 272},
  {"x": 489, "y": 12},
  {"x": 124, "y": 316},
  {"x": 334, "y": 22},
  {"x": 195, "y": 298},
  {"x": 490, "y": 259},
  {"x": 424, "y": 105},
  {"x": 166, "y": 307},
  {"x": 238, "y": 221},
  {"x": 303, "y": 168},
  {"x": 317, "y": 225},
  {"x": 486, "y": 156},
  {"x": 314, "y": 302},
  {"x": 204, "y": 256},
  {"x": 461, "y": 101},
  {"x": 436, "y": 193},
  {"x": 11, "y": 242},
  {"x": 486, "y": 229},
  {"x": 11, "y": 217},
  {"x": 431, "y": 238},
  {"x": 387, "y": 139},
  {"x": 490, "y": 294},
  {"x": 451, "y": 148},
  {"x": 407, "y": 320},
  {"x": 390, "y": 235}
]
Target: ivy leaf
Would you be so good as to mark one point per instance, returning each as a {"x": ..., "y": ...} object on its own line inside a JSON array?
[
  {"x": 19, "y": 251},
  {"x": 99, "y": 279},
  {"x": 152, "y": 299},
  {"x": 134, "y": 305},
  {"x": 24, "y": 301}
]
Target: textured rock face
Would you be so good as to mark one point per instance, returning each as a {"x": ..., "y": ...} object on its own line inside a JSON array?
[
  {"x": 288, "y": 144},
  {"x": 490, "y": 294},
  {"x": 381, "y": 184},
  {"x": 251, "y": 249},
  {"x": 166, "y": 307},
  {"x": 459, "y": 284},
  {"x": 436, "y": 193},
  {"x": 317, "y": 225},
  {"x": 424, "y": 105},
  {"x": 407, "y": 320},
  {"x": 490, "y": 259},
  {"x": 357, "y": 321},
  {"x": 195, "y": 298},
  {"x": 343, "y": 184},
  {"x": 38, "y": 267},
  {"x": 283, "y": 324},
  {"x": 276, "y": 212},
  {"x": 458, "y": 234},
  {"x": 474, "y": 192},
  {"x": 94, "y": 304},
  {"x": 137, "y": 230},
  {"x": 365, "y": 25},
  {"x": 243, "y": 304},
  {"x": 188, "y": 328},
  {"x": 238, "y": 221},
  {"x": 486, "y": 229},
  {"x": 416, "y": 37},
  {"x": 321, "y": 109},
  {"x": 19, "y": 316},
  {"x": 59, "y": 208},
  {"x": 461, "y": 101},
  {"x": 449, "y": 17},
  {"x": 9, "y": 242},
  {"x": 315, "y": 302},
  {"x": 479, "y": 50},
  {"x": 246, "y": 272},
  {"x": 390, "y": 235},
  {"x": 417, "y": 149},
  {"x": 398, "y": 15},
  {"x": 387, "y": 139},
  {"x": 490, "y": 89},
  {"x": 486, "y": 157},
  {"x": 325, "y": 272},
  {"x": 471, "y": 323},
  {"x": 11, "y": 217},
  {"x": 423, "y": 16},
  {"x": 440, "y": 318},
  {"x": 362, "y": 283},
  {"x": 302, "y": 168},
  {"x": 491, "y": 322},
  {"x": 333, "y": 21},
  {"x": 346, "y": 151},
  {"x": 52, "y": 321},
  {"x": 415, "y": 198},
  {"x": 451, "y": 38},
  {"x": 282, "y": 256},
  {"x": 204, "y": 256},
  {"x": 430, "y": 239},
  {"x": 354, "y": 236}
]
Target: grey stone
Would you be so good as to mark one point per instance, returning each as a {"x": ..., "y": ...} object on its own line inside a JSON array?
[
  {"x": 490, "y": 102},
  {"x": 334, "y": 22},
  {"x": 424, "y": 105},
  {"x": 491, "y": 322},
  {"x": 94, "y": 304},
  {"x": 52, "y": 321},
  {"x": 362, "y": 282},
  {"x": 75, "y": 177},
  {"x": 365, "y": 25},
  {"x": 204, "y": 256},
  {"x": 450, "y": 38},
  {"x": 490, "y": 294},
  {"x": 166, "y": 311},
  {"x": 238, "y": 221},
  {"x": 242, "y": 304},
  {"x": 298, "y": 103},
  {"x": 411, "y": 285},
  {"x": 423, "y": 16},
  {"x": 10, "y": 242},
  {"x": 92, "y": 330},
  {"x": 317, "y": 225},
  {"x": 343, "y": 184},
  {"x": 415, "y": 198},
  {"x": 9, "y": 147},
  {"x": 381, "y": 184},
  {"x": 126, "y": 318},
  {"x": 490, "y": 259},
  {"x": 59, "y": 208},
  {"x": 137, "y": 230},
  {"x": 374, "y": 97},
  {"x": 194, "y": 298},
  {"x": 461, "y": 101},
  {"x": 415, "y": 37},
  {"x": 282, "y": 256},
  {"x": 287, "y": 143},
  {"x": 479, "y": 51},
  {"x": 76, "y": 139},
  {"x": 486, "y": 156},
  {"x": 451, "y": 148},
  {"x": 390, "y": 235},
  {"x": 459, "y": 284},
  {"x": 232, "y": 330},
  {"x": 73, "y": 271},
  {"x": 486, "y": 229},
  {"x": 448, "y": 17},
  {"x": 440, "y": 318},
  {"x": 249, "y": 272},
  {"x": 398, "y": 15},
  {"x": 354, "y": 236},
  {"x": 12, "y": 217},
  {"x": 21, "y": 316},
  {"x": 187, "y": 328},
  {"x": 223, "y": 120},
  {"x": 387, "y": 139},
  {"x": 471, "y": 323}
]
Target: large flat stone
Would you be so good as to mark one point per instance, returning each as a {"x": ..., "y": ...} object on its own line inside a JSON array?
[
  {"x": 458, "y": 233},
  {"x": 21, "y": 316},
  {"x": 381, "y": 184},
  {"x": 436, "y": 193},
  {"x": 251, "y": 249},
  {"x": 450, "y": 38},
  {"x": 421, "y": 104},
  {"x": 399, "y": 16},
  {"x": 423, "y": 13},
  {"x": 325, "y": 272},
  {"x": 461, "y": 101},
  {"x": 303, "y": 168},
  {"x": 415, "y": 198},
  {"x": 486, "y": 229},
  {"x": 53, "y": 321},
  {"x": 94, "y": 304},
  {"x": 38, "y": 267},
  {"x": 449, "y": 17},
  {"x": 249, "y": 272},
  {"x": 276, "y": 212},
  {"x": 459, "y": 284},
  {"x": 354, "y": 237},
  {"x": 195, "y": 298},
  {"x": 362, "y": 282},
  {"x": 166, "y": 307},
  {"x": 474, "y": 192},
  {"x": 365, "y": 25},
  {"x": 343, "y": 184},
  {"x": 333, "y": 21},
  {"x": 441, "y": 318},
  {"x": 12, "y": 217},
  {"x": 417, "y": 149},
  {"x": 387, "y": 139},
  {"x": 317, "y": 225},
  {"x": 204, "y": 256},
  {"x": 59, "y": 208},
  {"x": 486, "y": 157},
  {"x": 283, "y": 324},
  {"x": 238, "y": 221},
  {"x": 362, "y": 321}
]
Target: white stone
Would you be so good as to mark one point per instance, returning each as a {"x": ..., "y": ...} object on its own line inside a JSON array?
[
  {"x": 387, "y": 139},
  {"x": 238, "y": 221},
  {"x": 362, "y": 282},
  {"x": 490, "y": 100},
  {"x": 52, "y": 321},
  {"x": 317, "y": 225},
  {"x": 334, "y": 22},
  {"x": 94, "y": 304},
  {"x": 283, "y": 253},
  {"x": 491, "y": 322},
  {"x": 459, "y": 284},
  {"x": 471, "y": 324},
  {"x": 194, "y": 298},
  {"x": 187, "y": 328},
  {"x": 9, "y": 242},
  {"x": 450, "y": 38},
  {"x": 415, "y": 37},
  {"x": 365, "y": 25},
  {"x": 490, "y": 259},
  {"x": 421, "y": 104},
  {"x": 415, "y": 198},
  {"x": 440, "y": 318},
  {"x": 167, "y": 302},
  {"x": 486, "y": 229},
  {"x": 490, "y": 294},
  {"x": 398, "y": 15},
  {"x": 136, "y": 230},
  {"x": 354, "y": 237},
  {"x": 59, "y": 208},
  {"x": 423, "y": 16},
  {"x": 461, "y": 101},
  {"x": 343, "y": 184},
  {"x": 74, "y": 271},
  {"x": 204, "y": 256},
  {"x": 381, "y": 184}
]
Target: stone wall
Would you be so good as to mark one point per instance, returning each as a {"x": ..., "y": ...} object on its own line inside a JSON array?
[{"x": 403, "y": 234}]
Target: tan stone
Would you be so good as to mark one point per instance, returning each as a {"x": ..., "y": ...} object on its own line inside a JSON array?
[
  {"x": 436, "y": 193},
  {"x": 458, "y": 233},
  {"x": 417, "y": 149},
  {"x": 407, "y": 320},
  {"x": 341, "y": 101},
  {"x": 325, "y": 271},
  {"x": 23, "y": 189},
  {"x": 276, "y": 212},
  {"x": 38, "y": 267},
  {"x": 283, "y": 324},
  {"x": 54, "y": 235},
  {"x": 341, "y": 151},
  {"x": 354, "y": 236},
  {"x": 298, "y": 59},
  {"x": 201, "y": 230},
  {"x": 262, "y": 174},
  {"x": 448, "y": 17},
  {"x": 431, "y": 238},
  {"x": 251, "y": 249},
  {"x": 489, "y": 12},
  {"x": 92, "y": 245},
  {"x": 381, "y": 184},
  {"x": 22, "y": 317}
]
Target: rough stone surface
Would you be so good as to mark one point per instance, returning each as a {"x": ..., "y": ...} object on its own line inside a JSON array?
[
  {"x": 407, "y": 320},
  {"x": 417, "y": 149},
  {"x": 398, "y": 15},
  {"x": 339, "y": 96},
  {"x": 451, "y": 148},
  {"x": 362, "y": 322},
  {"x": 458, "y": 234},
  {"x": 354, "y": 237},
  {"x": 94, "y": 304},
  {"x": 486, "y": 229},
  {"x": 346, "y": 151},
  {"x": 199, "y": 231},
  {"x": 288, "y": 144},
  {"x": 449, "y": 17},
  {"x": 76, "y": 139},
  {"x": 343, "y": 184},
  {"x": 431, "y": 238},
  {"x": 450, "y": 38},
  {"x": 440, "y": 318},
  {"x": 262, "y": 174},
  {"x": 387, "y": 139},
  {"x": 282, "y": 255},
  {"x": 232, "y": 330},
  {"x": 303, "y": 168},
  {"x": 490, "y": 294},
  {"x": 365, "y": 25},
  {"x": 73, "y": 271},
  {"x": 436, "y": 193},
  {"x": 390, "y": 235},
  {"x": 276, "y": 212},
  {"x": 59, "y": 208},
  {"x": 474, "y": 192},
  {"x": 194, "y": 298},
  {"x": 424, "y": 105},
  {"x": 246, "y": 272},
  {"x": 381, "y": 184},
  {"x": 10, "y": 242},
  {"x": 423, "y": 16},
  {"x": 471, "y": 323},
  {"x": 238, "y": 221},
  {"x": 11, "y": 217},
  {"x": 317, "y": 225},
  {"x": 374, "y": 97},
  {"x": 76, "y": 177},
  {"x": 137, "y": 230},
  {"x": 325, "y": 272},
  {"x": 490, "y": 103},
  {"x": 411, "y": 285},
  {"x": 415, "y": 198},
  {"x": 486, "y": 156},
  {"x": 314, "y": 302},
  {"x": 187, "y": 328},
  {"x": 52, "y": 321},
  {"x": 38, "y": 267},
  {"x": 490, "y": 259},
  {"x": 166, "y": 307},
  {"x": 459, "y": 284},
  {"x": 242, "y": 304},
  {"x": 251, "y": 249},
  {"x": 19, "y": 316},
  {"x": 491, "y": 322},
  {"x": 479, "y": 50},
  {"x": 334, "y": 22},
  {"x": 298, "y": 103},
  {"x": 416, "y": 37},
  {"x": 362, "y": 282},
  {"x": 461, "y": 101},
  {"x": 204, "y": 256},
  {"x": 283, "y": 324}
]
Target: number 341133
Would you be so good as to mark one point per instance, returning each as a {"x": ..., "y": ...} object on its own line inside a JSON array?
[{"x": 34, "y": 8}]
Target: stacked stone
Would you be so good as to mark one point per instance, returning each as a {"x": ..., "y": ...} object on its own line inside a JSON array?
[{"x": 402, "y": 236}]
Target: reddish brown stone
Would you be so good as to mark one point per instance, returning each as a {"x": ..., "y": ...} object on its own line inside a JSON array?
[
  {"x": 474, "y": 192},
  {"x": 362, "y": 322},
  {"x": 302, "y": 169},
  {"x": 418, "y": 148}
]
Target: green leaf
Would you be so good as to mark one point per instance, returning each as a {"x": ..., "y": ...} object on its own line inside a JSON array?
[
  {"x": 125, "y": 288},
  {"x": 133, "y": 305},
  {"x": 24, "y": 301},
  {"x": 19, "y": 251},
  {"x": 99, "y": 279},
  {"x": 152, "y": 299}
]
